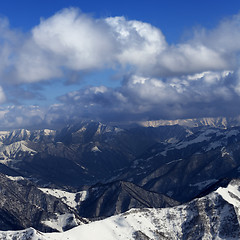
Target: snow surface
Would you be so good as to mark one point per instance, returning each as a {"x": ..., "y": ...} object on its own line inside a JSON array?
[
  {"x": 27, "y": 234},
  {"x": 3, "y": 134},
  {"x": 48, "y": 132},
  {"x": 174, "y": 161},
  {"x": 214, "y": 145},
  {"x": 225, "y": 152},
  {"x": 122, "y": 227},
  {"x": 62, "y": 221},
  {"x": 67, "y": 197},
  {"x": 95, "y": 149},
  {"x": 10, "y": 151},
  {"x": 201, "y": 138},
  {"x": 205, "y": 135},
  {"x": 151, "y": 223},
  {"x": 15, "y": 178},
  {"x": 231, "y": 194}
]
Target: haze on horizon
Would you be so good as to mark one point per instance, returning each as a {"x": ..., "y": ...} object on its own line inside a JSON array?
[{"x": 75, "y": 65}]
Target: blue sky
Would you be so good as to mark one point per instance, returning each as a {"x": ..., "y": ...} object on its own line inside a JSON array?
[
  {"x": 67, "y": 60},
  {"x": 173, "y": 17}
]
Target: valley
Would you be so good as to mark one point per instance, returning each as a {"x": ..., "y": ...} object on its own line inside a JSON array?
[{"x": 171, "y": 181}]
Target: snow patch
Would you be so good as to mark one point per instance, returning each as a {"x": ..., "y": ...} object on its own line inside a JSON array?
[
  {"x": 15, "y": 178},
  {"x": 201, "y": 138},
  {"x": 29, "y": 233},
  {"x": 225, "y": 152},
  {"x": 48, "y": 132},
  {"x": 214, "y": 145},
  {"x": 71, "y": 199},
  {"x": 61, "y": 222},
  {"x": 204, "y": 184},
  {"x": 232, "y": 133},
  {"x": 11, "y": 151},
  {"x": 231, "y": 194},
  {"x": 174, "y": 161},
  {"x": 95, "y": 149}
]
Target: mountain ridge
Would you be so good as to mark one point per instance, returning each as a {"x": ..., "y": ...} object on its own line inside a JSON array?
[
  {"x": 214, "y": 216},
  {"x": 97, "y": 171}
]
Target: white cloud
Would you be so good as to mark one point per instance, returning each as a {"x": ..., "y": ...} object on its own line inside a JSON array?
[
  {"x": 138, "y": 98},
  {"x": 34, "y": 64},
  {"x": 139, "y": 43},
  {"x": 73, "y": 41},
  {"x": 78, "y": 41},
  {"x": 211, "y": 93},
  {"x": 198, "y": 77},
  {"x": 2, "y": 95},
  {"x": 14, "y": 117},
  {"x": 187, "y": 59}
]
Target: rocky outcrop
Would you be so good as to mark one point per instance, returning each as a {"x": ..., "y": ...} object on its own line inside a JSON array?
[
  {"x": 22, "y": 205},
  {"x": 105, "y": 200}
]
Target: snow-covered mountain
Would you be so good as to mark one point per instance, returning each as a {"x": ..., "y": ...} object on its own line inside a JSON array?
[
  {"x": 136, "y": 175},
  {"x": 218, "y": 122},
  {"x": 182, "y": 169},
  {"x": 22, "y": 205},
  {"x": 215, "y": 216},
  {"x": 89, "y": 151}
]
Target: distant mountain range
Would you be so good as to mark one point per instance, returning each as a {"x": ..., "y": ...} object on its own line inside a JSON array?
[
  {"x": 219, "y": 122},
  {"x": 173, "y": 173}
]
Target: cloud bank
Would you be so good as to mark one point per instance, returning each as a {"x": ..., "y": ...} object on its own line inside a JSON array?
[{"x": 196, "y": 78}]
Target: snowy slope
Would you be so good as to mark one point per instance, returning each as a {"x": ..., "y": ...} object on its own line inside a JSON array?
[
  {"x": 71, "y": 199},
  {"x": 214, "y": 216},
  {"x": 207, "y": 218},
  {"x": 62, "y": 222},
  {"x": 220, "y": 122},
  {"x": 210, "y": 139},
  {"x": 29, "y": 233},
  {"x": 11, "y": 151}
]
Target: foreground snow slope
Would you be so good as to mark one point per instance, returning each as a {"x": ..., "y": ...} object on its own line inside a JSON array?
[{"x": 215, "y": 216}]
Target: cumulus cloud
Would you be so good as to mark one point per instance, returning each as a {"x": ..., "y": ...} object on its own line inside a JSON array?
[
  {"x": 2, "y": 95},
  {"x": 139, "y": 98},
  {"x": 152, "y": 98},
  {"x": 73, "y": 41},
  {"x": 13, "y": 117},
  {"x": 139, "y": 43},
  {"x": 196, "y": 78}
]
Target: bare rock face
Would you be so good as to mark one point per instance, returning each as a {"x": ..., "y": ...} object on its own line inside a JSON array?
[
  {"x": 135, "y": 167},
  {"x": 23, "y": 205},
  {"x": 82, "y": 154},
  {"x": 185, "y": 169},
  {"x": 105, "y": 200},
  {"x": 214, "y": 216}
]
